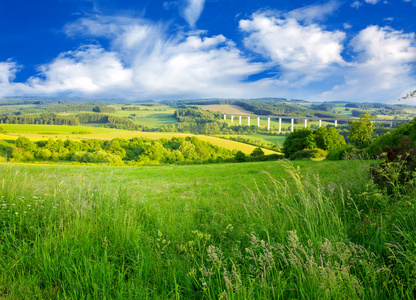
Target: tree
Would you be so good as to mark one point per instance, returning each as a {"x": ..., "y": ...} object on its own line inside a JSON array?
[
  {"x": 328, "y": 138},
  {"x": 240, "y": 156},
  {"x": 26, "y": 144},
  {"x": 360, "y": 131},
  {"x": 257, "y": 152},
  {"x": 298, "y": 140}
]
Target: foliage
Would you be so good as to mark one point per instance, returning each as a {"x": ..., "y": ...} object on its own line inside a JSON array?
[
  {"x": 315, "y": 153},
  {"x": 360, "y": 131},
  {"x": 340, "y": 153},
  {"x": 257, "y": 152},
  {"x": 139, "y": 150},
  {"x": 323, "y": 138},
  {"x": 298, "y": 140},
  {"x": 393, "y": 138},
  {"x": 396, "y": 173},
  {"x": 44, "y": 118},
  {"x": 103, "y": 109},
  {"x": 240, "y": 157},
  {"x": 327, "y": 138}
]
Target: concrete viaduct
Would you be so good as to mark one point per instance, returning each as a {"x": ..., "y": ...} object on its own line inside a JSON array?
[{"x": 334, "y": 120}]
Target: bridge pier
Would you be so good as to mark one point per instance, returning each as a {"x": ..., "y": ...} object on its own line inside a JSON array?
[
  {"x": 336, "y": 123},
  {"x": 239, "y": 120},
  {"x": 292, "y": 121},
  {"x": 280, "y": 125},
  {"x": 320, "y": 123},
  {"x": 232, "y": 118},
  {"x": 268, "y": 123},
  {"x": 306, "y": 123},
  {"x": 391, "y": 124},
  {"x": 225, "y": 117},
  {"x": 248, "y": 120},
  {"x": 258, "y": 121}
]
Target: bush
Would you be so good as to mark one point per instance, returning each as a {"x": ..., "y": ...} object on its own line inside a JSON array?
[
  {"x": 396, "y": 173},
  {"x": 308, "y": 154},
  {"x": 339, "y": 154},
  {"x": 19, "y": 154},
  {"x": 257, "y": 152},
  {"x": 240, "y": 157}
]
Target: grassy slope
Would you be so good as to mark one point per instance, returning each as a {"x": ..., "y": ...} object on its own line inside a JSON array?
[
  {"x": 193, "y": 232},
  {"x": 39, "y": 132}
]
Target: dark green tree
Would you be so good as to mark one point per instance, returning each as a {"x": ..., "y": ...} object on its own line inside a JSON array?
[
  {"x": 257, "y": 152},
  {"x": 298, "y": 140},
  {"x": 240, "y": 156}
]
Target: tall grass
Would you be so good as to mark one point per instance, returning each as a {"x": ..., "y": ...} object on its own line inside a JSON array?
[{"x": 89, "y": 233}]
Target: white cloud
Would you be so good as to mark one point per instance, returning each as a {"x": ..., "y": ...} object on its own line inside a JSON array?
[
  {"x": 298, "y": 57},
  {"x": 88, "y": 70},
  {"x": 193, "y": 11},
  {"x": 372, "y": 1},
  {"x": 143, "y": 62},
  {"x": 313, "y": 13},
  {"x": 8, "y": 70},
  {"x": 383, "y": 68},
  {"x": 300, "y": 51},
  {"x": 347, "y": 26},
  {"x": 356, "y": 4}
]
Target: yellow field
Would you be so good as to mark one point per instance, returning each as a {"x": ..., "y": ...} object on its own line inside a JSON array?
[
  {"x": 42, "y": 132},
  {"x": 226, "y": 109}
]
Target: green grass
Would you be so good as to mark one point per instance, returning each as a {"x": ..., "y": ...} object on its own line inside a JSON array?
[
  {"x": 259, "y": 137},
  {"x": 237, "y": 231},
  {"x": 52, "y": 129},
  {"x": 150, "y": 116}
]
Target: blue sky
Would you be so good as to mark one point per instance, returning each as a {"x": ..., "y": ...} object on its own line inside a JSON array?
[{"x": 355, "y": 50}]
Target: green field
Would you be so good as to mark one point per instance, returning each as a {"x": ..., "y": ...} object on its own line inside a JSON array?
[
  {"x": 150, "y": 116},
  {"x": 315, "y": 230},
  {"x": 263, "y": 138}
]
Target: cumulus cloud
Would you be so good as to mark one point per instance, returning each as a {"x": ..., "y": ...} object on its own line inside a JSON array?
[
  {"x": 193, "y": 11},
  {"x": 384, "y": 65},
  {"x": 89, "y": 70},
  {"x": 305, "y": 51},
  {"x": 143, "y": 62}
]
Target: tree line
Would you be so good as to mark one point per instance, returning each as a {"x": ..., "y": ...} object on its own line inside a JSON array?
[
  {"x": 75, "y": 120},
  {"x": 119, "y": 151}
]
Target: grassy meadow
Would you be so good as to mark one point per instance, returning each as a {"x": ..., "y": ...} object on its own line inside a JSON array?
[{"x": 273, "y": 230}]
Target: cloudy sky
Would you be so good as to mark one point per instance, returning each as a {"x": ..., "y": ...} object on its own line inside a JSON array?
[{"x": 356, "y": 50}]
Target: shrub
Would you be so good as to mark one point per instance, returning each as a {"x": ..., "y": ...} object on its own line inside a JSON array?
[
  {"x": 308, "y": 154},
  {"x": 20, "y": 154},
  {"x": 240, "y": 157},
  {"x": 339, "y": 154},
  {"x": 257, "y": 152},
  {"x": 396, "y": 173}
]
